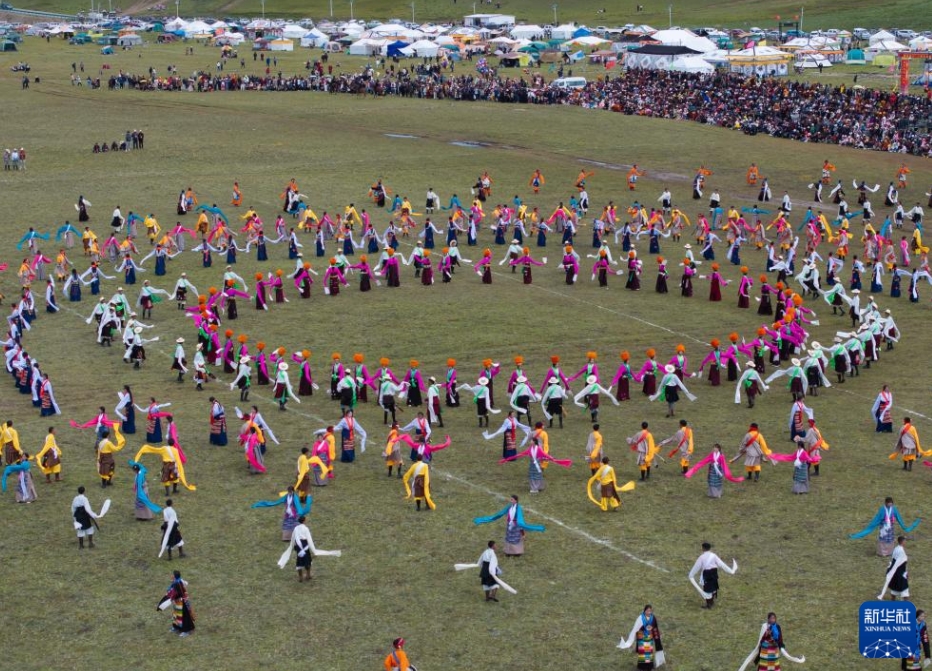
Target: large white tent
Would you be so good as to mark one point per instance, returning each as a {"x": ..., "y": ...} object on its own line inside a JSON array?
[
  {"x": 293, "y": 31},
  {"x": 684, "y": 38},
  {"x": 527, "y": 32},
  {"x": 314, "y": 38},
  {"x": 881, "y": 36},
  {"x": 694, "y": 64},
  {"x": 368, "y": 47},
  {"x": 424, "y": 48},
  {"x": 585, "y": 41},
  {"x": 233, "y": 39},
  {"x": 564, "y": 32},
  {"x": 281, "y": 45}
]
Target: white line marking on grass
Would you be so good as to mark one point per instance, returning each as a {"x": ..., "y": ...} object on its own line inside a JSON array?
[{"x": 579, "y": 532}]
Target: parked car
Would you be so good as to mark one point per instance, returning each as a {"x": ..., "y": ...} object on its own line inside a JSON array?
[
  {"x": 905, "y": 34},
  {"x": 6, "y": 5},
  {"x": 861, "y": 33},
  {"x": 570, "y": 82}
]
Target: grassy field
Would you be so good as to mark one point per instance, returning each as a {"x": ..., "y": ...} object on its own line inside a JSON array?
[
  {"x": 730, "y": 13},
  {"x": 584, "y": 580}
]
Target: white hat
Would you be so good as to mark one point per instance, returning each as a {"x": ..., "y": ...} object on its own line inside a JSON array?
[
  {"x": 119, "y": 288},
  {"x": 669, "y": 368},
  {"x": 887, "y": 312},
  {"x": 836, "y": 339},
  {"x": 591, "y": 379},
  {"x": 138, "y": 329},
  {"x": 102, "y": 300},
  {"x": 751, "y": 364},
  {"x": 184, "y": 274},
  {"x": 245, "y": 359},
  {"x": 514, "y": 241},
  {"x": 687, "y": 246},
  {"x": 855, "y": 291},
  {"x": 554, "y": 380},
  {"x": 483, "y": 380},
  {"x": 870, "y": 298},
  {"x": 433, "y": 379},
  {"x": 521, "y": 378},
  {"x": 179, "y": 340},
  {"x": 796, "y": 362},
  {"x": 282, "y": 366},
  {"x": 816, "y": 345}
]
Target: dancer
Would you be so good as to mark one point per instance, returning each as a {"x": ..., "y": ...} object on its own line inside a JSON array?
[
  {"x": 882, "y": 410},
  {"x": 908, "y": 446},
  {"x": 754, "y": 448},
  {"x": 171, "y": 528},
  {"x": 683, "y": 441},
  {"x": 419, "y": 488},
  {"x": 295, "y": 509},
  {"x": 49, "y": 457},
  {"x": 590, "y": 396},
  {"x": 25, "y": 488},
  {"x": 489, "y": 573},
  {"x": 282, "y": 390},
  {"x": 397, "y": 660},
  {"x": 897, "y": 580},
  {"x": 537, "y": 456},
  {"x": 509, "y": 430},
  {"x": 770, "y": 648},
  {"x": 751, "y": 383},
  {"x": 182, "y": 613},
  {"x": 887, "y": 515},
  {"x": 718, "y": 469},
  {"x": 707, "y": 566},
  {"x": 85, "y": 519},
  {"x": 646, "y": 632},
  {"x": 670, "y": 386},
  {"x": 105, "y": 450},
  {"x": 515, "y": 527},
  {"x": 609, "y": 489}
]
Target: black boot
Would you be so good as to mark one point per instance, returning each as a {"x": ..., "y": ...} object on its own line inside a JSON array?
[
  {"x": 417, "y": 505},
  {"x": 648, "y": 472},
  {"x": 174, "y": 488},
  {"x": 643, "y": 475},
  {"x": 389, "y": 471},
  {"x": 756, "y": 476},
  {"x": 561, "y": 420},
  {"x": 816, "y": 470},
  {"x": 169, "y": 554}
]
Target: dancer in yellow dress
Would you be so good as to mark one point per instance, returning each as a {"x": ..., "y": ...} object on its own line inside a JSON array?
[{"x": 609, "y": 489}]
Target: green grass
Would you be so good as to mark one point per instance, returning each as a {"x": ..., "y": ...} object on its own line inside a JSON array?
[
  {"x": 576, "y": 597},
  {"x": 729, "y": 13}
]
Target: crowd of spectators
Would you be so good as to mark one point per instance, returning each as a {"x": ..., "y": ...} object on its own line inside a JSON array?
[{"x": 807, "y": 112}]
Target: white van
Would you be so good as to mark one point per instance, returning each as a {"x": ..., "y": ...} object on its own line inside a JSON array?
[{"x": 570, "y": 83}]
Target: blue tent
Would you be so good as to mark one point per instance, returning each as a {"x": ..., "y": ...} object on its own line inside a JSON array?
[
  {"x": 581, "y": 32},
  {"x": 394, "y": 49},
  {"x": 107, "y": 51}
]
